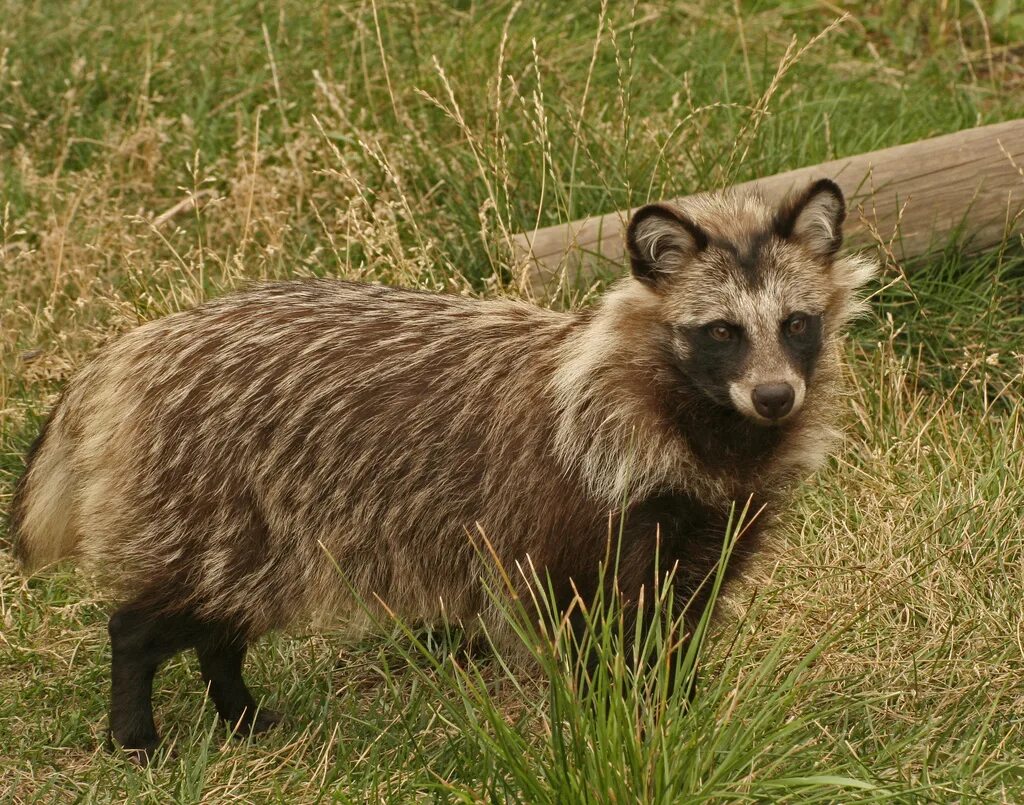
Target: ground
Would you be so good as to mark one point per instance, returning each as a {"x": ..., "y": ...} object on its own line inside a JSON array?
[{"x": 878, "y": 652}]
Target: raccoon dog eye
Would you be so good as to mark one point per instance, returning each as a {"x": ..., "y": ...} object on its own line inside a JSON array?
[
  {"x": 796, "y": 324},
  {"x": 720, "y": 331}
]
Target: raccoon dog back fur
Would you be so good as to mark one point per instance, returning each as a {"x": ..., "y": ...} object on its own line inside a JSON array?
[{"x": 216, "y": 467}]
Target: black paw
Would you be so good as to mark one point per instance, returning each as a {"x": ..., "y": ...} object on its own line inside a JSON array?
[
  {"x": 265, "y": 720},
  {"x": 139, "y": 750},
  {"x": 244, "y": 725}
]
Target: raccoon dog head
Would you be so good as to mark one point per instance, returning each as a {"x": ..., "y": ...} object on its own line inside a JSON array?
[{"x": 752, "y": 296}]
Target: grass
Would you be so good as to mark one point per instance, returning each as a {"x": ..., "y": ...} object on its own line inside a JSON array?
[{"x": 876, "y": 654}]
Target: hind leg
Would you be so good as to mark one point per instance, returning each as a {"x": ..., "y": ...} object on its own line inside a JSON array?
[
  {"x": 141, "y": 639},
  {"x": 220, "y": 661}
]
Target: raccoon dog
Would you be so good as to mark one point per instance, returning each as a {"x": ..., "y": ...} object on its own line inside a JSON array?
[{"x": 216, "y": 467}]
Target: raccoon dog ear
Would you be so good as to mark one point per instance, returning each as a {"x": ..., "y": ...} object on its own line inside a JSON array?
[
  {"x": 814, "y": 218},
  {"x": 660, "y": 240}
]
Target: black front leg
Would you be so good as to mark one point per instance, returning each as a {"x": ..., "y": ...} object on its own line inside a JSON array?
[
  {"x": 675, "y": 540},
  {"x": 628, "y": 600},
  {"x": 664, "y": 652}
]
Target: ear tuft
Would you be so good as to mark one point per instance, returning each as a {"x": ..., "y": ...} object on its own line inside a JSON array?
[
  {"x": 814, "y": 218},
  {"x": 660, "y": 239}
]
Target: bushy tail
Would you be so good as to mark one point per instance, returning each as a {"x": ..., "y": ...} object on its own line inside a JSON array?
[{"x": 42, "y": 531}]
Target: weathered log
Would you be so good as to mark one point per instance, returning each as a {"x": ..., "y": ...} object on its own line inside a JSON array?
[{"x": 911, "y": 196}]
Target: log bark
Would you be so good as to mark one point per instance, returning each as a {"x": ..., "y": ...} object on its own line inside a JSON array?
[{"x": 912, "y": 197}]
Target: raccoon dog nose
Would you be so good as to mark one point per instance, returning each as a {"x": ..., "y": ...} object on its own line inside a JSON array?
[{"x": 773, "y": 400}]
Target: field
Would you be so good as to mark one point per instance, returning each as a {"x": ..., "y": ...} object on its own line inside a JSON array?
[{"x": 154, "y": 154}]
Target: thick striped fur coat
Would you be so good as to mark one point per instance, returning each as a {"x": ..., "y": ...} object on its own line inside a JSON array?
[{"x": 218, "y": 467}]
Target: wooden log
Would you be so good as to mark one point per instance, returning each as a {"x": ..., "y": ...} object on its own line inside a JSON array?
[{"x": 912, "y": 196}]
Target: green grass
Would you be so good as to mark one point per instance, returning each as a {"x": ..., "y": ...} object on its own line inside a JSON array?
[{"x": 876, "y": 653}]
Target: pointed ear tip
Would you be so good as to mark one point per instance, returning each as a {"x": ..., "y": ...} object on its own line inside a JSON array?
[
  {"x": 825, "y": 185},
  {"x": 637, "y": 218},
  {"x": 661, "y": 209},
  {"x": 800, "y": 209},
  {"x": 655, "y": 208}
]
